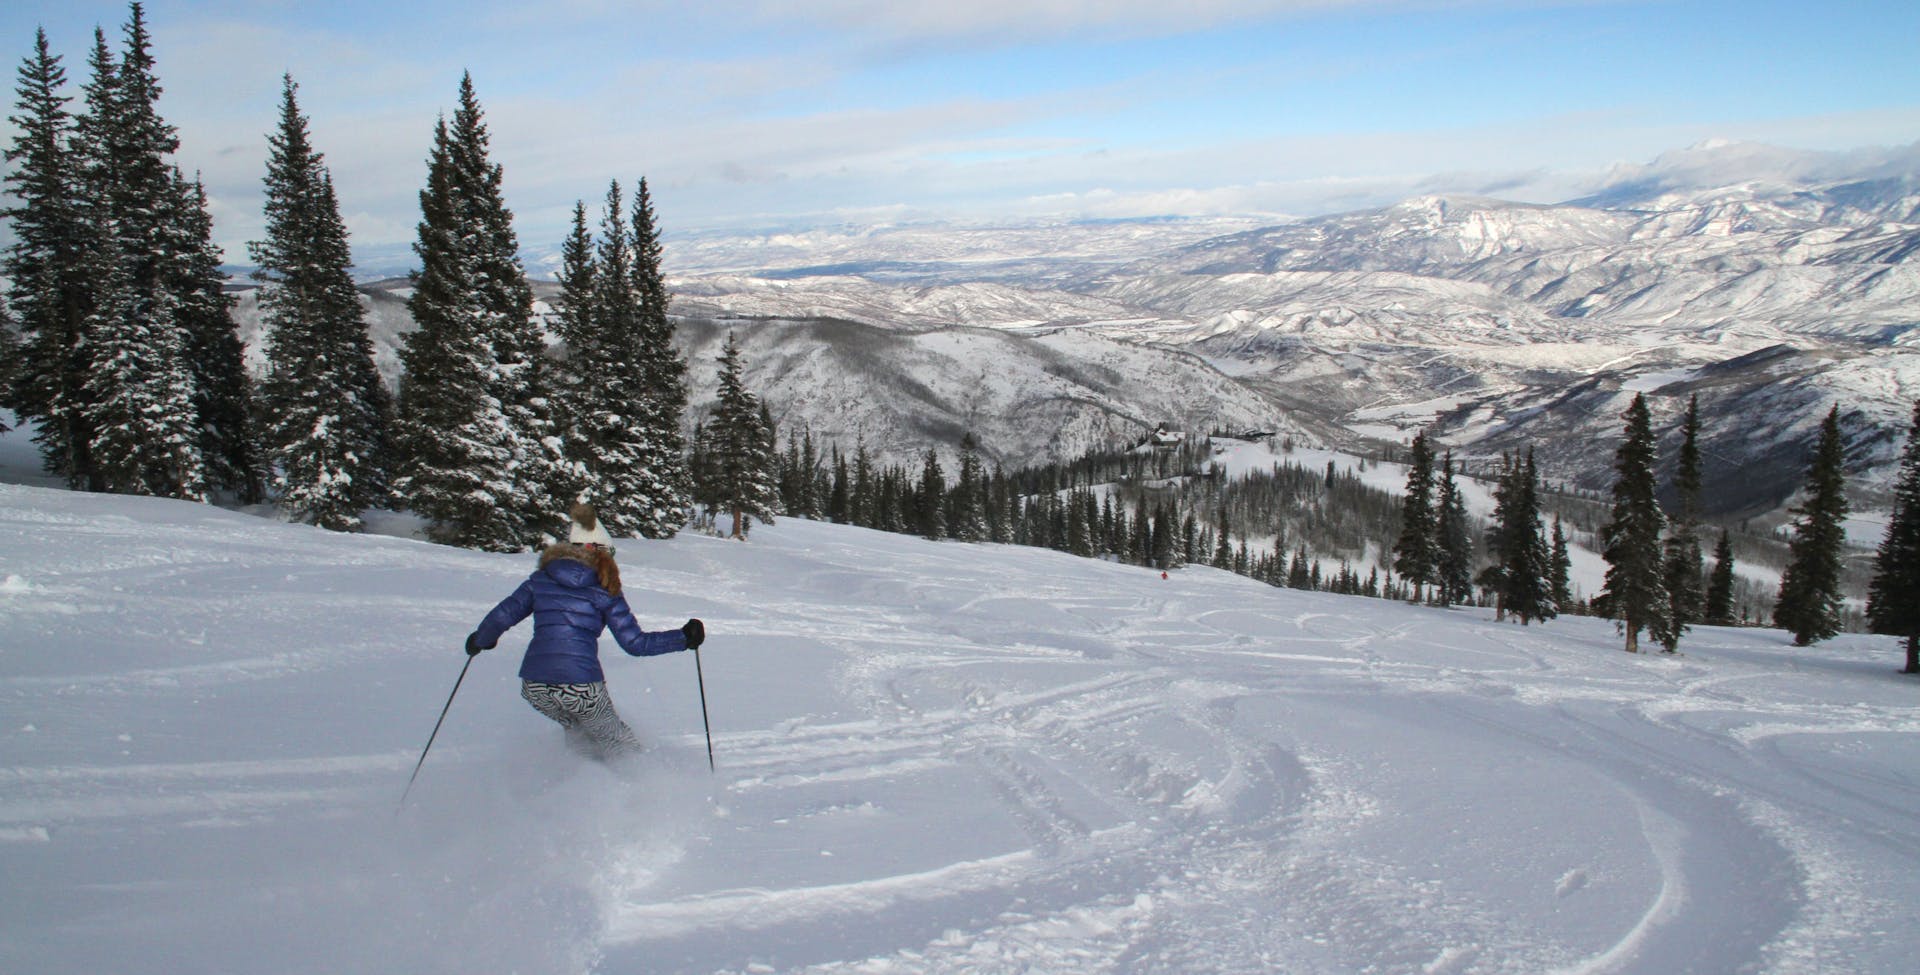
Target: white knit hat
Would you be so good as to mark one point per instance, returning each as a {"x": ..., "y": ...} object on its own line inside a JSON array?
[{"x": 586, "y": 528}]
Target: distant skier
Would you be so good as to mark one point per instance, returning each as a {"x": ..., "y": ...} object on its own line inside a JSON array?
[{"x": 572, "y": 596}]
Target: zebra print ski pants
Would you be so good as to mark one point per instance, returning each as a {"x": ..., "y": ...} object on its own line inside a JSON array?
[{"x": 593, "y": 727}]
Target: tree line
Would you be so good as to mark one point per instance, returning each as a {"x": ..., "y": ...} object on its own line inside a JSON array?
[{"x": 127, "y": 357}]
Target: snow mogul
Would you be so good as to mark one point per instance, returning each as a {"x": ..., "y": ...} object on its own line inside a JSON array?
[{"x": 573, "y": 596}]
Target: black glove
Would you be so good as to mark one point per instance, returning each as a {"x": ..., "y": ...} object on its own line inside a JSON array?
[
  {"x": 473, "y": 644},
  {"x": 696, "y": 633}
]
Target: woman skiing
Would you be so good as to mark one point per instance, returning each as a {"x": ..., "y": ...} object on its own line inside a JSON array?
[{"x": 572, "y": 596}]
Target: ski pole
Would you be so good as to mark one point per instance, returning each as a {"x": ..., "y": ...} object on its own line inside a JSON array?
[
  {"x": 436, "y": 729},
  {"x": 704, "y": 723}
]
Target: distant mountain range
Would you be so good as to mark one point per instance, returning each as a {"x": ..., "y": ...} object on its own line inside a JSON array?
[
  {"x": 1772, "y": 283},
  {"x": 1769, "y": 282}
]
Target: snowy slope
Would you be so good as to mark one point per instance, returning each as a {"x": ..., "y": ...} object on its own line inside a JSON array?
[{"x": 932, "y": 758}]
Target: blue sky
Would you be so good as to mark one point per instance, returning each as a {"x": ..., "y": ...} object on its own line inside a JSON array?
[{"x": 790, "y": 112}]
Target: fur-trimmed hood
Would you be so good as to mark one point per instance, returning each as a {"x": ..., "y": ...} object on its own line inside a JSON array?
[{"x": 597, "y": 559}]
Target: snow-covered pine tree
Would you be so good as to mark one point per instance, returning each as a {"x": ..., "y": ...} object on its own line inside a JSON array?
[
  {"x": 326, "y": 413},
  {"x": 1893, "y": 599},
  {"x": 1415, "y": 552},
  {"x": 45, "y": 265},
  {"x": 1522, "y": 561},
  {"x": 1682, "y": 566},
  {"x": 519, "y": 381},
  {"x": 930, "y": 512},
  {"x": 1079, "y": 539},
  {"x": 1454, "y": 536},
  {"x": 454, "y": 450},
  {"x": 863, "y": 506},
  {"x": 1493, "y": 576},
  {"x": 1635, "y": 592},
  {"x": 1161, "y": 541},
  {"x": 570, "y": 388},
  {"x": 479, "y": 457},
  {"x": 1560, "y": 580},
  {"x": 741, "y": 453},
  {"x": 1809, "y": 602},
  {"x": 223, "y": 394},
  {"x": 1223, "y": 544},
  {"x": 140, "y": 386},
  {"x": 666, "y": 378},
  {"x": 1718, "y": 610},
  {"x": 967, "y": 502}
]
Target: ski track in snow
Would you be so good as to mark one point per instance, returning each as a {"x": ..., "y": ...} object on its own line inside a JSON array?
[{"x": 932, "y": 758}]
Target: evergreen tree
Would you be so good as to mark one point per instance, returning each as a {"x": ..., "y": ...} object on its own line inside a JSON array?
[
  {"x": 1223, "y": 548},
  {"x": 1493, "y": 577},
  {"x": 326, "y": 412},
  {"x": 1415, "y": 553},
  {"x": 606, "y": 399},
  {"x": 1809, "y": 601},
  {"x": 864, "y": 503},
  {"x": 1719, "y": 603},
  {"x": 1530, "y": 565},
  {"x": 664, "y": 494},
  {"x": 742, "y": 445},
  {"x": 1683, "y": 569},
  {"x": 456, "y": 452},
  {"x": 840, "y": 500},
  {"x": 140, "y": 388},
  {"x": 968, "y": 521},
  {"x": 223, "y": 392},
  {"x": 1454, "y": 532},
  {"x": 47, "y": 265},
  {"x": 475, "y": 440},
  {"x": 1079, "y": 531},
  {"x": 1893, "y": 599},
  {"x": 571, "y": 387},
  {"x": 1560, "y": 579},
  {"x": 1635, "y": 591},
  {"x": 930, "y": 515}
]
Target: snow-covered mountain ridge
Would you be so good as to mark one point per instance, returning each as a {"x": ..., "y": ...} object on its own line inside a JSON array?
[{"x": 1773, "y": 295}]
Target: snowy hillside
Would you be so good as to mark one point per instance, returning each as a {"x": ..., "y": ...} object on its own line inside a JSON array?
[
  {"x": 1773, "y": 283},
  {"x": 1027, "y": 398},
  {"x": 932, "y": 758}
]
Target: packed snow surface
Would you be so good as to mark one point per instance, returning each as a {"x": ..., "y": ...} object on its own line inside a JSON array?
[{"x": 932, "y": 757}]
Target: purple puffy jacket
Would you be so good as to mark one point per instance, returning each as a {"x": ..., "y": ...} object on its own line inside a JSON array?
[{"x": 569, "y": 609}]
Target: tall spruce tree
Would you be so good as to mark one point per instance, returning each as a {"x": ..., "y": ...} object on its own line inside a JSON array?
[
  {"x": 326, "y": 412},
  {"x": 140, "y": 387},
  {"x": 1683, "y": 569},
  {"x": 1454, "y": 531},
  {"x": 1893, "y": 599},
  {"x": 574, "y": 323},
  {"x": 46, "y": 266},
  {"x": 666, "y": 379},
  {"x": 1718, "y": 610},
  {"x": 223, "y": 396},
  {"x": 1529, "y": 560},
  {"x": 1809, "y": 602},
  {"x": 609, "y": 406},
  {"x": 742, "y": 461},
  {"x": 1560, "y": 579},
  {"x": 1635, "y": 592},
  {"x": 472, "y": 437},
  {"x": 968, "y": 519},
  {"x": 930, "y": 514},
  {"x": 1415, "y": 552},
  {"x": 455, "y": 453}
]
